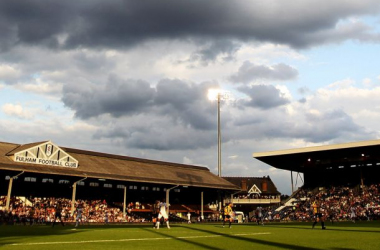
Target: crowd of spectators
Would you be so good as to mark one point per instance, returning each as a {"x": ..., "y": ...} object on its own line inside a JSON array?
[
  {"x": 42, "y": 210},
  {"x": 336, "y": 204}
]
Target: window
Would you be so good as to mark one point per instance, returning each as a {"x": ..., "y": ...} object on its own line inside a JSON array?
[
  {"x": 107, "y": 185},
  {"x": 120, "y": 186},
  {"x": 144, "y": 188},
  {"x": 63, "y": 182},
  {"x": 81, "y": 183},
  {"x": 7, "y": 177},
  {"x": 30, "y": 179},
  {"x": 133, "y": 187},
  {"x": 177, "y": 190},
  {"x": 156, "y": 189},
  {"x": 94, "y": 184},
  {"x": 47, "y": 180}
]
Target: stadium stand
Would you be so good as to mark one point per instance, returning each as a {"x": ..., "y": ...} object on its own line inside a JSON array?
[
  {"x": 337, "y": 202},
  {"x": 41, "y": 210}
]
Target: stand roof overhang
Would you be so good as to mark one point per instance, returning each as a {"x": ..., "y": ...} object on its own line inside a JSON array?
[
  {"x": 116, "y": 167},
  {"x": 322, "y": 157}
]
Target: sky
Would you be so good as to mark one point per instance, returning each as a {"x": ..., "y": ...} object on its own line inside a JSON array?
[{"x": 131, "y": 77}]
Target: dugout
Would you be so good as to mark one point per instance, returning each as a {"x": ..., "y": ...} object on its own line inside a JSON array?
[
  {"x": 43, "y": 169},
  {"x": 354, "y": 163}
]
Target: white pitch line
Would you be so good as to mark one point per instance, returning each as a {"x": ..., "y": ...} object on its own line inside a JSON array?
[{"x": 123, "y": 240}]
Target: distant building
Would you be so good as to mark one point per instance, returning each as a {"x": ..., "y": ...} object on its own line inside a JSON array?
[{"x": 255, "y": 191}]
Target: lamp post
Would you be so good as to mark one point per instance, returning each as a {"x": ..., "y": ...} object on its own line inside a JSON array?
[
  {"x": 219, "y": 95},
  {"x": 219, "y": 140}
]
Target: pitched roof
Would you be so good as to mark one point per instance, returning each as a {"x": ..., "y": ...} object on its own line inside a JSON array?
[
  {"x": 258, "y": 181},
  {"x": 24, "y": 146},
  {"x": 117, "y": 167}
]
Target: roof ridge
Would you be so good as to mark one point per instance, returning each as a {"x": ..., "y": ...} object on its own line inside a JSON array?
[{"x": 123, "y": 157}]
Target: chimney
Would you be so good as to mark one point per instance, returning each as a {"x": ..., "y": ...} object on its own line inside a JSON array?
[
  {"x": 244, "y": 185},
  {"x": 264, "y": 185}
]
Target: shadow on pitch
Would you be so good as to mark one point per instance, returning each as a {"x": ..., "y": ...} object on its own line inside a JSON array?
[
  {"x": 256, "y": 241},
  {"x": 197, "y": 244},
  {"x": 328, "y": 226},
  {"x": 10, "y": 233}
]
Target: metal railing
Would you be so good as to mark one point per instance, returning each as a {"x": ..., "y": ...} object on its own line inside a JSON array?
[{"x": 252, "y": 201}]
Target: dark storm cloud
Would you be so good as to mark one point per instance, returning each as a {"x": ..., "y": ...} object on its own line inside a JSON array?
[
  {"x": 34, "y": 22},
  {"x": 327, "y": 126},
  {"x": 263, "y": 97},
  {"x": 96, "y": 62},
  {"x": 302, "y": 100},
  {"x": 315, "y": 127},
  {"x": 249, "y": 72},
  {"x": 97, "y": 23},
  {"x": 304, "y": 90},
  {"x": 186, "y": 102},
  {"x": 210, "y": 52},
  {"x": 117, "y": 97},
  {"x": 156, "y": 134},
  {"x": 182, "y": 102}
]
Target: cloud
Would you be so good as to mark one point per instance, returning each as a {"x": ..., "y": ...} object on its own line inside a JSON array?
[
  {"x": 8, "y": 73},
  {"x": 344, "y": 84},
  {"x": 367, "y": 82},
  {"x": 210, "y": 52},
  {"x": 116, "y": 97},
  {"x": 249, "y": 72},
  {"x": 40, "y": 87},
  {"x": 263, "y": 96},
  {"x": 73, "y": 24},
  {"x": 151, "y": 131},
  {"x": 327, "y": 126},
  {"x": 16, "y": 110},
  {"x": 131, "y": 77},
  {"x": 180, "y": 101}
]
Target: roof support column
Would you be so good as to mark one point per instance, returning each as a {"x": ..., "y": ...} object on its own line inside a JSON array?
[
  {"x": 291, "y": 179},
  {"x": 74, "y": 195},
  {"x": 73, "y": 198},
  {"x": 361, "y": 178},
  {"x": 10, "y": 191},
  {"x": 167, "y": 199},
  {"x": 202, "y": 205},
  {"x": 125, "y": 201}
]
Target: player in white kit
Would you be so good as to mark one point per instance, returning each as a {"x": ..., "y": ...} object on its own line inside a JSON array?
[
  {"x": 353, "y": 214},
  {"x": 79, "y": 215},
  {"x": 162, "y": 214},
  {"x": 259, "y": 215}
]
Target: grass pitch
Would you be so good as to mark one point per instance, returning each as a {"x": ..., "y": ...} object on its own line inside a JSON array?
[{"x": 339, "y": 236}]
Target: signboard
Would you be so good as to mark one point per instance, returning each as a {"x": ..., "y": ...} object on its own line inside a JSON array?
[
  {"x": 46, "y": 154},
  {"x": 46, "y": 162},
  {"x": 254, "y": 190}
]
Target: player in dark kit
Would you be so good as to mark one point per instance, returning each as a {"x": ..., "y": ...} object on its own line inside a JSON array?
[
  {"x": 58, "y": 214},
  {"x": 222, "y": 214},
  {"x": 155, "y": 211},
  {"x": 317, "y": 213},
  {"x": 228, "y": 215}
]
